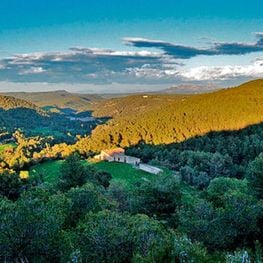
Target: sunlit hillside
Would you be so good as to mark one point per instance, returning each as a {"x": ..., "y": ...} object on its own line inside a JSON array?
[
  {"x": 58, "y": 99},
  {"x": 9, "y": 102},
  {"x": 159, "y": 119}
]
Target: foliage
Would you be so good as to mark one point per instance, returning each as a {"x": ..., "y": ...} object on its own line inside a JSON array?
[
  {"x": 206, "y": 207},
  {"x": 224, "y": 226},
  {"x": 158, "y": 198},
  {"x": 255, "y": 176},
  {"x": 163, "y": 119},
  {"x": 83, "y": 200},
  {"x": 112, "y": 237},
  {"x": 31, "y": 227},
  {"x": 237, "y": 257},
  {"x": 73, "y": 173}
]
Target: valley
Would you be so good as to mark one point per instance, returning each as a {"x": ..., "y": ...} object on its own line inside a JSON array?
[
  {"x": 209, "y": 147},
  {"x": 131, "y": 131}
]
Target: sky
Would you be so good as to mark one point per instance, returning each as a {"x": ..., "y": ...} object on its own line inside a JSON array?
[{"x": 125, "y": 46}]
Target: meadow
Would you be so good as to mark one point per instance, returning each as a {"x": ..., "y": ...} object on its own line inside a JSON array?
[{"x": 120, "y": 172}]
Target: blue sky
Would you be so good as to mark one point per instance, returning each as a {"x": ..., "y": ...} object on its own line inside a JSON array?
[{"x": 116, "y": 46}]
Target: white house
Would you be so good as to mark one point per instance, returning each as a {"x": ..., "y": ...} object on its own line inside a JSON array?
[{"x": 117, "y": 155}]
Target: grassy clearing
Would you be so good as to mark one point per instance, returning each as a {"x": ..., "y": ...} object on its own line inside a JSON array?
[
  {"x": 121, "y": 172},
  {"x": 50, "y": 170}
]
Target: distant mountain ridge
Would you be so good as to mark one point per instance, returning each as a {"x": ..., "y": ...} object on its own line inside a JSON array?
[{"x": 189, "y": 89}]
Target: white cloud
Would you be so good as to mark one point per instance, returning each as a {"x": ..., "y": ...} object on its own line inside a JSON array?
[
  {"x": 97, "y": 66},
  {"x": 202, "y": 73},
  {"x": 32, "y": 70}
]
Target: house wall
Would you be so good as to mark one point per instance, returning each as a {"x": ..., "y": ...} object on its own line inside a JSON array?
[
  {"x": 104, "y": 156},
  {"x": 132, "y": 160},
  {"x": 122, "y": 158},
  {"x": 118, "y": 157}
]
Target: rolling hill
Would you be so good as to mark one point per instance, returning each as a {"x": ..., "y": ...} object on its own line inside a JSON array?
[
  {"x": 60, "y": 99},
  {"x": 189, "y": 89},
  {"x": 34, "y": 121},
  {"x": 164, "y": 119},
  {"x": 9, "y": 102}
]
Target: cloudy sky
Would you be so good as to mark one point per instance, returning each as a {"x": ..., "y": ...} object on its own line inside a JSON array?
[{"x": 124, "y": 45}]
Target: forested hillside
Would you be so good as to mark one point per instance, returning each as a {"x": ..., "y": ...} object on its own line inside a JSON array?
[
  {"x": 158, "y": 119},
  {"x": 34, "y": 121},
  {"x": 58, "y": 99},
  {"x": 9, "y": 102},
  {"x": 206, "y": 206}
]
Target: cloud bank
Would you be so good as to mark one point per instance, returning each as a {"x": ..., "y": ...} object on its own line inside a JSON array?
[
  {"x": 147, "y": 67},
  {"x": 186, "y": 52}
]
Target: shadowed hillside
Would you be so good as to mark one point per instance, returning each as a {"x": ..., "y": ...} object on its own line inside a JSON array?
[
  {"x": 33, "y": 121},
  {"x": 158, "y": 119}
]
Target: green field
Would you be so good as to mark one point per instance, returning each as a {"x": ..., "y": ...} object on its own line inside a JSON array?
[
  {"x": 50, "y": 170},
  {"x": 121, "y": 172}
]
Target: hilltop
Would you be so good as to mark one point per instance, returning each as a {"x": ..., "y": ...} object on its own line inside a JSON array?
[
  {"x": 189, "y": 89},
  {"x": 9, "y": 102},
  {"x": 60, "y": 99},
  {"x": 35, "y": 121},
  {"x": 164, "y": 119}
]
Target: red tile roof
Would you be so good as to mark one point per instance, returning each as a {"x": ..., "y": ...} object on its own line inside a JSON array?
[{"x": 113, "y": 151}]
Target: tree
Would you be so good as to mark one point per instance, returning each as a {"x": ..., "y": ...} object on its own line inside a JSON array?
[
  {"x": 222, "y": 188},
  {"x": 114, "y": 237},
  {"x": 103, "y": 237},
  {"x": 225, "y": 226},
  {"x": 85, "y": 199},
  {"x": 100, "y": 178},
  {"x": 31, "y": 227},
  {"x": 11, "y": 185},
  {"x": 158, "y": 198},
  {"x": 73, "y": 172},
  {"x": 184, "y": 250},
  {"x": 117, "y": 192},
  {"x": 255, "y": 176}
]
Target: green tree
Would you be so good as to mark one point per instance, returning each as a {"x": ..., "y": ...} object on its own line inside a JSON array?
[
  {"x": 158, "y": 198},
  {"x": 31, "y": 227},
  {"x": 113, "y": 237},
  {"x": 85, "y": 199},
  {"x": 73, "y": 172},
  {"x": 100, "y": 178},
  {"x": 255, "y": 176},
  {"x": 225, "y": 226},
  {"x": 11, "y": 185},
  {"x": 117, "y": 192},
  {"x": 221, "y": 188},
  {"x": 103, "y": 237}
]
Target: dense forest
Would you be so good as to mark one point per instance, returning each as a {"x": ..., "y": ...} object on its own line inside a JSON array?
[
  {"x": 208, "y": 208},
  {"x": 158, "y": 119}
]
